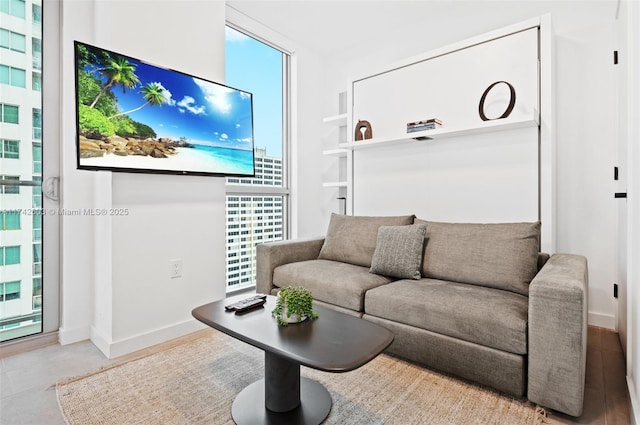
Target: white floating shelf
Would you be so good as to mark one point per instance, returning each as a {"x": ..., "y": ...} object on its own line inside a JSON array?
[
  {"x": 334, "y": 184},
  {"x": 444, "y": 132},
  {"x": 335, "y": 152},
  {"x": 337, "y": 120}
]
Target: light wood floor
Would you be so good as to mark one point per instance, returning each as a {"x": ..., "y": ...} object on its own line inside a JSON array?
[{"x": 28, "y": 396}]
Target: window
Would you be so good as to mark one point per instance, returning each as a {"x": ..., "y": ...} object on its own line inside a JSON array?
[
  {"x": 36, "y": 151},
  {"x": 29, "y": 116},
  {"x": 36, "y": 59},
  {"x": 13, "y": 40},
  {"x": 14, "y": 190},
  {"x": 9, "y": 149},
  {"x": 37, "y": 227},
  {"x": 10, "y": 290},
  {"x": 13, "y": 76},
  {"x": 37, "y": 259},
  {"x": 36, "y": 198},
  {"x": 10, "y": 255},
  {"x": 37, "y": 123},
  {"x": 36, "y": 14},
  {"x": 13, "y": 7},
  {"x": 37, "y": 294},
  {"x": 8, "y": 113},
  {"x": 261, "y": 69},
  {"x": 10, "y": 220},
  {"x": 36, "y": 81}
]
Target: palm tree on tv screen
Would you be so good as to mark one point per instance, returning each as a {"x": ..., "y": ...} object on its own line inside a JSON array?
[
  {"x": 119, "y": 72},
  {"x": 153, "y": 93}
]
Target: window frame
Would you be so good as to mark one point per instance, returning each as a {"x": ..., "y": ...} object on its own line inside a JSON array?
[
  {"x": 3, "y": 114},
  {"x": 22, "y": 48},
  {"x": 45, "y": 18},
  {"x": 4, "y": 144},
  {"x": 3, "y": 292},
  {"x": 6, "y": 223},
  {"x": 267, "y": 36},
  {"x": 11, "y": 9},
  {"x": 12, "y": 76},
  {"x": 10, "y": 189},
  {"x": 3, "y": 257}
]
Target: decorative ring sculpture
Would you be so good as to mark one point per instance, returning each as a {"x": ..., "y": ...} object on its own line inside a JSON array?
[{"x": 507, "y": 112}]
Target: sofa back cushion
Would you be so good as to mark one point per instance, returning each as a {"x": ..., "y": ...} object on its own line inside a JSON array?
[
  {"x": 352, "y": 239},
  {"x": 500, "y": 255}
]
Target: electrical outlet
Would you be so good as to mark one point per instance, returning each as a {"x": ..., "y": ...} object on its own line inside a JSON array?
[{"x": 175, "y": 269}]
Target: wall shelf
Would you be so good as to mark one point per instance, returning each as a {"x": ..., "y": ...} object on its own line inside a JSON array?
[
  {"x": 334, "y": 184},
  {"x": 335, "y": 152},
  {"x": 339, "y": 182},
  {"x": 445, "y": 132},
  {"x": 337, "y": 120}
]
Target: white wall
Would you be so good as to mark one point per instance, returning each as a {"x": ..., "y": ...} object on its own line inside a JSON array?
[
  {"x": 587, "y": 210},
  {"x": 586, "y": 213},
  {"x": 115, "y": 270}
]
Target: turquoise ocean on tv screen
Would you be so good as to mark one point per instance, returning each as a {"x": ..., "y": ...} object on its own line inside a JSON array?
[{"x": 232, "y": 160}]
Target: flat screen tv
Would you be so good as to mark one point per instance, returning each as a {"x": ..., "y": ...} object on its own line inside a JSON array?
[{"x": 132, "y": 116}]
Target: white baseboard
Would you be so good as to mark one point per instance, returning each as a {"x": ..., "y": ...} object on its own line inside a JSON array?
[
  {"x": 101, "y": 342},
  {"x": 138, "y": 342},
  {"x": 635, "y": 403},
  {"x": 602, "y": 320},
  {"x": 72, "y": 335}
]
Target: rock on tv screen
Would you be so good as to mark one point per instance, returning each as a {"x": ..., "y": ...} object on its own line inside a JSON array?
[{"x": 136, "y": 117}]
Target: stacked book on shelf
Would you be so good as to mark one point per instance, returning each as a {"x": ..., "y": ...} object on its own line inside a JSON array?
[{"x": 429, "y": 124}]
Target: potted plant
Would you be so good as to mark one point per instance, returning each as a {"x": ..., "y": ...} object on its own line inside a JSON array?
[{"x": 293, "y": 305}]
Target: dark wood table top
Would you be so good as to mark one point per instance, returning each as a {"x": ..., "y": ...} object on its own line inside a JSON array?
[{"x": 334, "y": 342}]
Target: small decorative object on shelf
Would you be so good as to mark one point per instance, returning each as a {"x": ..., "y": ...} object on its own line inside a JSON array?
[
  {"x": 293, "y": 305},
  {"x": 507, "y": 112},
  {"x": 430, "y": 124},
  {"x": 363, "y": 130}
]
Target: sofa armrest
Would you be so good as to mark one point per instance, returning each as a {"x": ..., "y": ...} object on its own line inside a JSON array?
[
  {"x": 273, "y": 254},
  {"x": 558, "y": 334}
]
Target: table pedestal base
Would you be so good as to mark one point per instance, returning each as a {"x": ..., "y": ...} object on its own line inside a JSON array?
[{"x": 249, "y": 406}]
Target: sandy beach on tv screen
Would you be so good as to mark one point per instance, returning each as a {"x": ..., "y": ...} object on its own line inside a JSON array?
[{"x": 185, "y": 159}]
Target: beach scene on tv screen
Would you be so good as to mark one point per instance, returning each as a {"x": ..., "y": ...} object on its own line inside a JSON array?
[{"x": 133, "y": 115}]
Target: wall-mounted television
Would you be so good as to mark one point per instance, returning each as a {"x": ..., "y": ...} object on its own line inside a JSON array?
[{"x": 132, "y": 116}]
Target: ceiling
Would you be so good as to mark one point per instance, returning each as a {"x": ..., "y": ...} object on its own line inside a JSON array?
[
  {"x": 332, "y": 26},
  {"x": 329, "y": 26}
]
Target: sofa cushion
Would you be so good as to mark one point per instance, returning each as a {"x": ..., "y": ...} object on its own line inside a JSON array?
[
  {"x": 352, "y": 239},
  {"x": 485, "y": 316},
  {"x": 500, "y": 255},
  {"x": 333, "y": 282},
  {"x": 399, "y": 251}
]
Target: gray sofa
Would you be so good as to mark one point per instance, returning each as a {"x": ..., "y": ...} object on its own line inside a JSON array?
[{"x": 478, "y": 301}]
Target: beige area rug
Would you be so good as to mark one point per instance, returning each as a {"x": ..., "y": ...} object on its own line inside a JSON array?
[{"x": 195, "y": 383}]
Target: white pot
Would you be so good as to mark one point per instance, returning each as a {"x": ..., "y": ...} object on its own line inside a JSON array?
[{"x": 294, "y": 317}]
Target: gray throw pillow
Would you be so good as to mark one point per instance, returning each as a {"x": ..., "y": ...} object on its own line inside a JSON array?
[{"x": 399, "y": 251}]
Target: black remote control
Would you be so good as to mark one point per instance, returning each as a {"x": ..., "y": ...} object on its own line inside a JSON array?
[{"x": 248, "y": 303}]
